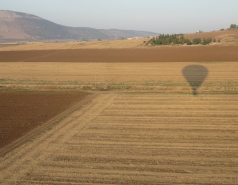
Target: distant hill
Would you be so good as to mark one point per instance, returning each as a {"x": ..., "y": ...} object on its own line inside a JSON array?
[{"x": 15, "y": 26}]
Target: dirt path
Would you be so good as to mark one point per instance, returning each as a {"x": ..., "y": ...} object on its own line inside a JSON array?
[{"x": 134, "y": 138}]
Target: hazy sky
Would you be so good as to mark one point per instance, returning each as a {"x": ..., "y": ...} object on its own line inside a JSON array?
[{"x": 161, "y": 16}]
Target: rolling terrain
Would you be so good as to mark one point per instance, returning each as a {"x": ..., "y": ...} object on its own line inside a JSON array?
[
  {"x": 227, "y": 37},
  {"x": 16, "y": 26}
]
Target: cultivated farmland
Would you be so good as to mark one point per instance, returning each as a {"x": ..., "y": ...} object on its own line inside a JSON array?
[
  {"x": 160, "y": 77},
  {"x": 24, "y": 111},
  {"x": 138, "y": 138},
  {"x": 143, "y": 125}
]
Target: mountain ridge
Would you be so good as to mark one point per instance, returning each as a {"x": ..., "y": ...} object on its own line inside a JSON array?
[{"x": 16, "y": 26}]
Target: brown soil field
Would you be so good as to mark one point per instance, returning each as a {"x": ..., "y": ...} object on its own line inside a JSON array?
[
  {"x": 134, "y": 138},
  {"x": 162, "y": 54},
  {"x": 21, "y": 112}
]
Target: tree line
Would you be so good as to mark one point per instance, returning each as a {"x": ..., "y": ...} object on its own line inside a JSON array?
[{"x": 167, "y": 39}]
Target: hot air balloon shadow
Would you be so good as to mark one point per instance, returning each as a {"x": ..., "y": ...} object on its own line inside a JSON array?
[{"x": 195, "y": 76}]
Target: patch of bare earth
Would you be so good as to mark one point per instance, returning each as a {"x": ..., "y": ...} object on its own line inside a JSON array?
[
  {"x": 20, "y": 112},
  {"x": 161, "y": 54}
]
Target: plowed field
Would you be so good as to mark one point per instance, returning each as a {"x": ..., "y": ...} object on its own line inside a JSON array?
[
  {"x": 23, "y": 111},
  {"x": 135, "y": 139},
  {"x": 163, "y": 54}
]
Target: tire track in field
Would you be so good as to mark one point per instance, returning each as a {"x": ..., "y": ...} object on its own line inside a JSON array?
[
  {"x": 31, "y": 151},
  {"x": 116, "y": 140}
]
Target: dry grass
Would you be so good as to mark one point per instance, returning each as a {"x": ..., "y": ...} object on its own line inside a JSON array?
[{"x": 226, "y": 37}]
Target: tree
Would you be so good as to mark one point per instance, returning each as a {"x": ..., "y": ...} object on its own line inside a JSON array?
[
  {"x": 196, "y": 41},
  {"x": 233, "y": 26},
  {"x": 188, "y": 42},
  {"x": 206, "y": 41}
]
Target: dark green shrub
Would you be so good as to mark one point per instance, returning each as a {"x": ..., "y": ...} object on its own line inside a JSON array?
[
  {"x": 197, "y": 41},
  {"x": 206, "y": 41}
]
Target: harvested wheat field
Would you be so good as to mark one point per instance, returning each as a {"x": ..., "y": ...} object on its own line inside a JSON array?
[
  {"x": 105, "y": 44},
  {"x": 162, "y": 76},
  {"x": 135, "y": 138},
  {"x": 159, "y": 69},
  {"x": 168, "y": 116}
]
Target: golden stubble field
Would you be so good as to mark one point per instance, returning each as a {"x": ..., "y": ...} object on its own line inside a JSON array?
[
  {"x": 147, "y": 128},
  {"x": 160, "y": 77},
  {"x": 105, "y": 44},
  {"x": 134, "y": 138}
]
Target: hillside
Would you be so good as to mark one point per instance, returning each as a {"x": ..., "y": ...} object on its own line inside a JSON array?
[
  {"x": 226, "y": 37},
  {"x": 15, "y": 26}
]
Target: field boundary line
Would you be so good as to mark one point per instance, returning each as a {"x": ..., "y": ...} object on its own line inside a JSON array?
[{"x": 43, "y": 127}]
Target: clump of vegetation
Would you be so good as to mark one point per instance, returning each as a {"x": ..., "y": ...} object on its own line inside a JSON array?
[
  {"x": 178, "y": 39},
  {"x": 197, "y": 41},
  {"x": 170, "y": 39},
  {"x": 207, "y": 41},
  {"x": 234, "y": 26}
]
